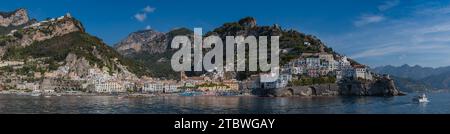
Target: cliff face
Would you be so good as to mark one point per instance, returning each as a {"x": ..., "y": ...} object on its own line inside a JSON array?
[
  {"x": 14, "y": 18},
  {"x": 149, "y": 41},
  {"x": 153, "y": 49},
  {"x": 382, "y": 86},
  {"x": 48, "y": 29},
  {"x": 40, "y": 31},
  {"x": 79, "y": 67}
]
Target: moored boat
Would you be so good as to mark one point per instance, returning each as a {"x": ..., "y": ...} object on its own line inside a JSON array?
[{"x": 421, "y": 99}]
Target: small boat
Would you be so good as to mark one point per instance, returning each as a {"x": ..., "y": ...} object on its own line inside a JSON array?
[
  {"x": 47, "y": 96},
  {"x": 421, "y": 99},
  {"x": 191, "y": 93},
  {"x": 35, "y": 94},
  {"x": 210, "y": 93}
]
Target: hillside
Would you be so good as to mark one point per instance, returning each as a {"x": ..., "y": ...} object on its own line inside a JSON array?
[
  {"x": 14, "y": 20},
  {"x": 410, "y": 85},
  {"x": 55, "y": 50},
  {"x": 438, "y": 81},
  {"x": 152, "y": 48},
  {"x": 59, "y": 48}
]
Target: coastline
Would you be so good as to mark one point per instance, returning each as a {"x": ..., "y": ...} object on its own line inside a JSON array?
[{"x": 31, "y": 94}]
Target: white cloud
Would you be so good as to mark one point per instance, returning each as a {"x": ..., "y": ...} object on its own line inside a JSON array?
[
  {"x": 401, "y": 50},
  {"x": 414, "y": 38},
  {"x": 388, "y": 5},
  {"x": 434, "y": 10},
  {"x": 368, "y": 19},
  {"x": 142, "y": 15},
  {"x": 148, "y": 27},
  {"x": 149, "y": 9}
]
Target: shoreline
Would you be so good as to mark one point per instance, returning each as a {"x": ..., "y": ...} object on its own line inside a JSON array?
[{"x": 31, "y": 94}]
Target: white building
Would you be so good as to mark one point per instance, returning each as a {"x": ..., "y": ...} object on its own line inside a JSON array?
[
  {"x": 161, "y": 87},
  {"x": 357, "y": 72},
  {"x": 29, "y": 86},
  {"x": 361, "y": 72},
  {"x": 108, "y": 87},
  {"x": 281, "y": 82},
  {"x": 171, "y": 87},
  {"x": 313, "y": 62},
  {"x": 326, "y": 56},
  {"x": 344, "y": 63},
  {"x": 296, "y": 70},
  {"x": 153, "y": 87}
]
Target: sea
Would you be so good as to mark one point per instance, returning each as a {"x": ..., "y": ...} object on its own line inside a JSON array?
[{"x": 17, "y": 104}]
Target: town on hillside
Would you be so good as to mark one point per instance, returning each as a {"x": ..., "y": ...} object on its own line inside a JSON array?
[{"x": 30, "y": 65}]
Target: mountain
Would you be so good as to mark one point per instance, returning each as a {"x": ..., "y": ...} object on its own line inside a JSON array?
[
  {"x": 413, "y": 72},
  {"x": 438, "y": 81},
  {"x": 410, "y": 85},
  {"x": 59, "y": 48},
  {"x": 14, "y": 20},
  {"x": 427, "y": 77},
  {"x": 148, "y": 41},
  {"x": 152, "y": 47}
]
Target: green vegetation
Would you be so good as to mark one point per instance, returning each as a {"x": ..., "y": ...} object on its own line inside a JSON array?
[
  {"x": 158, "y": 69},
  {"x": 6, "y": 30},
  {"x": 6, "y": 69},
  {"x": 292, "y": 41},
  {"x": 311, "y": 81},
  {"x": 81, "y": 44},
  {"x": 180, "y": 31},
  {"x": 212, "y": 85},
  {"x": 5, "y": 39}
]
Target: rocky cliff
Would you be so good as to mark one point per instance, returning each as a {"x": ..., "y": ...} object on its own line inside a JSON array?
[
  {"x": 149, "y": 41},
  {"x": 48, "y": 29},
  {"x": 15, "y": 18},
  {"x": 381, "y": 86},
  {"x": 152, "y": 49},
  {"x": 40, "y": 31}
]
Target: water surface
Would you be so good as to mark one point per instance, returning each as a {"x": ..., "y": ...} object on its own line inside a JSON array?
[{"x": 440, "y": 104}]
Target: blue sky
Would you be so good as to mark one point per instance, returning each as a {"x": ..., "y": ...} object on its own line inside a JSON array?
[{"x": 374, "y": 32}]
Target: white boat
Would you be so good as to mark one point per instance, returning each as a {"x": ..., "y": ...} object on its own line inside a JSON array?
[
  {"x": 421, "y": 99},
  {"x": 35, "y": 94}
]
